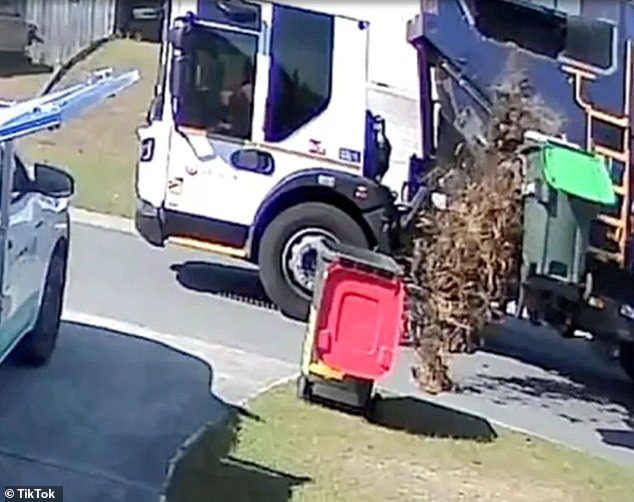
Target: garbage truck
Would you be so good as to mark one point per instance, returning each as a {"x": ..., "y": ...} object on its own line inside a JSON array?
[
  {"x": 260, "y": 140},
  {"x": 248, "y": 152},
  {"x": 577, "y": 57},
  {"x": 34, "y": 220}
]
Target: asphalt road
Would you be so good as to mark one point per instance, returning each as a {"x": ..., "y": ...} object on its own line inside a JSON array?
[
  {"x": 174, "y": 290},
  {"x": 526, "y": 378}
]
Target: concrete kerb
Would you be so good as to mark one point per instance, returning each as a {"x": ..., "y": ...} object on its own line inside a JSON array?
[
  {"x": 101, "y": 220},
  {"x": 191, "y": 347}
]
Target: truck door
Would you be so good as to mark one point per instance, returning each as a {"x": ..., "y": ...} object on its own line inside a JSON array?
[
  {"x": 21, "y": 283},
  {"x": 219, "y": 87}
]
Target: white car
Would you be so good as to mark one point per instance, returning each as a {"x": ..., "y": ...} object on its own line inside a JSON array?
[
  {"x": 34, "y": 218},
  {"x": 34, "y": 272}
]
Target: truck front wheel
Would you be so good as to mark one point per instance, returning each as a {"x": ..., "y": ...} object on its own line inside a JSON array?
[
  {"x": 288, "y": 252},
  {"x": 626, "y": 358}
]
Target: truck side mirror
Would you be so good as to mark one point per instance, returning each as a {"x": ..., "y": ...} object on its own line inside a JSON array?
[
  {"x": 181, "y": 35},
  {"x": 179, "y": 76},
  {"x": 383, "y": 145},
  {"x": 182, "y": 38},
  {"x": 52, "y": 181}
]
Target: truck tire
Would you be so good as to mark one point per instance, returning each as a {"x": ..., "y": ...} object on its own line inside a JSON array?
[
  {"x": 626, "y": 358},
  {"x": 287, "y": 255},
  {"x": 37, "y": 346}
]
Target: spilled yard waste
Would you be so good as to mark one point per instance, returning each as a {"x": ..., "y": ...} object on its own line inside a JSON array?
[{"x": 464, "y": 260}]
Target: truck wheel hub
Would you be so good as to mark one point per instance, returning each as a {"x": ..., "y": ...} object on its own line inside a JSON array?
[{"x": 299, "y": 259}]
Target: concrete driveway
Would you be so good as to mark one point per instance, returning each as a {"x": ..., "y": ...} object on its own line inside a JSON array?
[{"x": 110, "y": 411}]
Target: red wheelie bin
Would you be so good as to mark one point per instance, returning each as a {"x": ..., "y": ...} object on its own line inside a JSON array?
[{"x": 354, "y": 328}]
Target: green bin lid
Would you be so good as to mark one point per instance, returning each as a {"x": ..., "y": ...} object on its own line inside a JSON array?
[{"x": 578, "y": 173}]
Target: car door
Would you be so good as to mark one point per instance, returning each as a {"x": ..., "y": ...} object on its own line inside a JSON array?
[{"x": 21, "y": 282}]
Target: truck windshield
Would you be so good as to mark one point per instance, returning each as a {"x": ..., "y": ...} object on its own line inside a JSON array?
[{"x": 219, "y": 94}]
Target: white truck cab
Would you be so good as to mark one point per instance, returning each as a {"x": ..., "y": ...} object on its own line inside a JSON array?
[
  {"x": 260, "y": 140},
  {"x": 34, "y": 220}
]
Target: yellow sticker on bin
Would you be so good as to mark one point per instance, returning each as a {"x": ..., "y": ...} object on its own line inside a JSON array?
[{"x": 325, "y": 371}]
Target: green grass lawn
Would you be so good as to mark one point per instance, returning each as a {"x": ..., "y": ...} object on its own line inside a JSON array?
[
  {"x": 100, "y": 148},
  {"x": 297, "y": 452}
]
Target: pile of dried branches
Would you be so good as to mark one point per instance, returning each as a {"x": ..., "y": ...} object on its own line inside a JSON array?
[{"x": 464, "y": 259}]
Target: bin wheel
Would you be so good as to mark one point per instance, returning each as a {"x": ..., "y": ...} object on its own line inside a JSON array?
[
  {"x": 370, "y": 407},
  {"x": 304, "y": 388},
  {"x": 626, "y": 358},
  {"x": 287, "y": 255}
]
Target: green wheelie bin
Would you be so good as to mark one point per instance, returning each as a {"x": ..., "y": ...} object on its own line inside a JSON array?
[{"x": 564, "y": 190}]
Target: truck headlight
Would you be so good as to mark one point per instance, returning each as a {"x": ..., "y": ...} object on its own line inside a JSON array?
[{"x": 627, "y": 311}]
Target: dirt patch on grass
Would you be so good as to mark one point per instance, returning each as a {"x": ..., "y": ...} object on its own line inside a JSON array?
[
  {"x": 307, "y": 453},
  {"x": 100, "y": 148}
]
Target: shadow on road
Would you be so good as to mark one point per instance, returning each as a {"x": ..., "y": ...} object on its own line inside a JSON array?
[
  {"x": 105, "y": 416},
  {"x": 575, "y": 375},
  {"x": 417, "y": 416},
  {"x": 20, "y": 65},
  {"x": 207, "y": 471},
  {"x": 620, "y": 438},
  {"x": 234, "y": 282}
]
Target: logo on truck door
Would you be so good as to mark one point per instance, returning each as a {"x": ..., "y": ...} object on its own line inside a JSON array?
[
  {"x": 349, "y": 155},
  {"x": 175, "y": 186},
  {"x": 315, "y": 147}
]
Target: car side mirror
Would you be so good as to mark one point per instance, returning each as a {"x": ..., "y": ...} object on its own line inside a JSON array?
[{"x": 52, "y": 181}]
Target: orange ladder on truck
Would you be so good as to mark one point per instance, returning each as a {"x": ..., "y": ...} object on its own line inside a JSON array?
[{"x": 619, "y": 160}]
